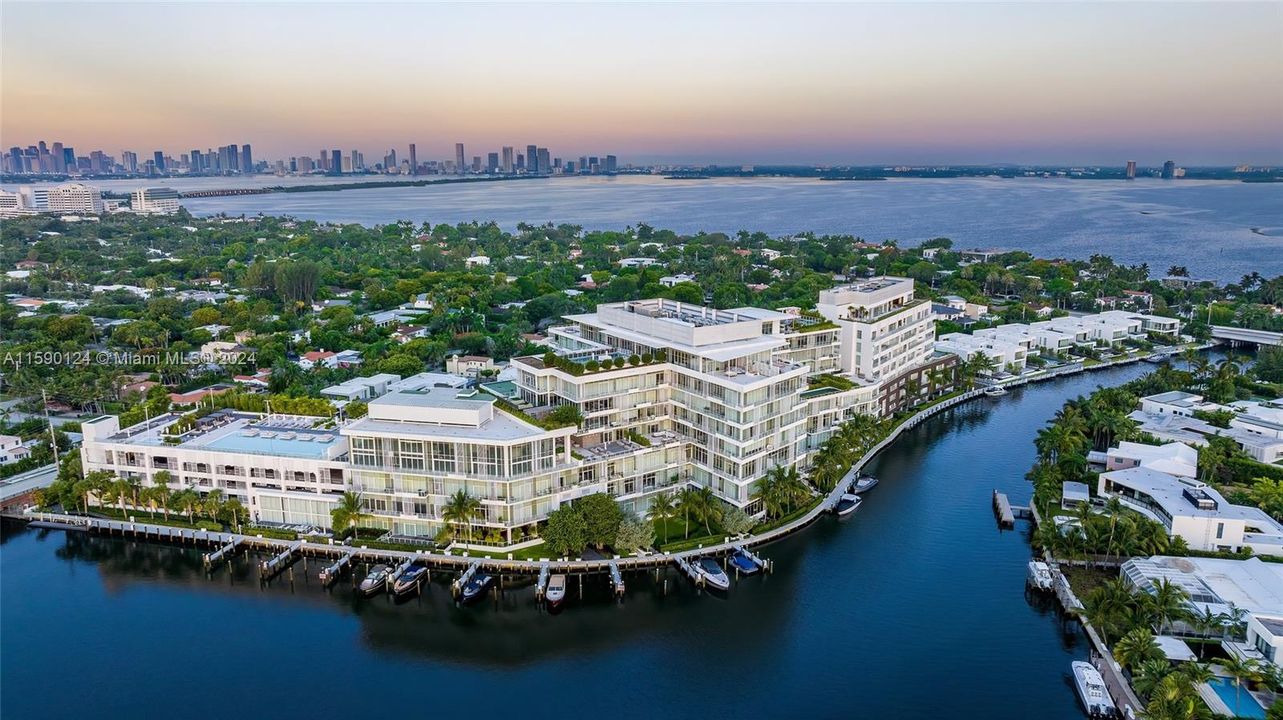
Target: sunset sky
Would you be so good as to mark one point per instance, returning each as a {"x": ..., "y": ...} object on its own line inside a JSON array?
[{"x": 757, "y": 83}]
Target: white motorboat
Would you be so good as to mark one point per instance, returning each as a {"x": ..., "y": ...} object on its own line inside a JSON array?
[
  {"x": 995, "y": 391},
  {"x": 1039, "y": 576},
  {"x": 862, "y": 483},
  {"x": 712, "y": 573},
  {"x": 847, "y": 504},
  {"x": 1091, "y": 690},
  {"x": 555, "y": 593}
]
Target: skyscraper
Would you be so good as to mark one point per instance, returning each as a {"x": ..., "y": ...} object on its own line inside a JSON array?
[
  {"x": 336, "y": 161},
  {"x": 544, "y": 163},
  {"x": 1131, "y": 169},
  {"x": 532, "y": 159},
  {"x": 159, "y": 159},
  {"x": 357, "y": 165},
  {"x": 492, "y": 163},
  {"x": 247, "y": 160},
  {"x": 458, "y": 158},
  {"x": 59, "y": 160},
  {"x": 129, "y": 159},
  {"x": 1169, "y": 169},
  {"x": 507, "y": 159},
  {"x": 414, "y": 161},
  {"x": 612, "y": 163}
]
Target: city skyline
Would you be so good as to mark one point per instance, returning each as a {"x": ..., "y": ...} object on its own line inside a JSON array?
[{"x": 834, "y": 85}]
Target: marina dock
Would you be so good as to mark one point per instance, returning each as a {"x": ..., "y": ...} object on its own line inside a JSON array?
[
  {"x": 329, "y": 575},
  {"x": 616, "y": 580},
  {"x": 1002, "y": 510},
  {"x": 272, "y": 567},
  {"x": 222, "y": 553}
]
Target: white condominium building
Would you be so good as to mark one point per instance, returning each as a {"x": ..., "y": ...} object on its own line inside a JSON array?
[
  {"x": 417, "y": 448},
  {"x": 885, "y": 331},
  {"x": 279, "y": 467},
  {"x": 154, "y": 201},
  {"x": 1005, "y": 356},
  {"x": 74, "y": 198}
]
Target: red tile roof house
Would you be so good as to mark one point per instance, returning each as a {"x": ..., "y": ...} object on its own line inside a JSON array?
[
  {"x": 311, "y": 359},
  {"x": 195, "y": 396},
  {"x": 258, "y": 380}
]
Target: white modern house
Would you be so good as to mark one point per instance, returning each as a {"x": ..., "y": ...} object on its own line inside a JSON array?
[
  {"x": 1005, "y": 355},
  {"x": 1257, "y": 427},
  {"x": 1174, "y": 458},
  {"x": 1193, "y": 510}
]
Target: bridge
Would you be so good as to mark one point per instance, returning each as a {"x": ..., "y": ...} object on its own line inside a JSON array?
[{"x": 1243, "y": 335}]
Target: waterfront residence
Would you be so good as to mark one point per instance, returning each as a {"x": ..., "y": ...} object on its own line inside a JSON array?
[
  {"x": 1222, "y": 586},
  {"x": 416, "y": 448},
  {"x": 1173, "y": 458},
  {"x": 1193, "y": 510},
  {"x": 664, "y": 395},
  {"x": 1006, "y": 356},
  {"x": 1257, "y": 427},
  {"x": 281, "y": 468}
]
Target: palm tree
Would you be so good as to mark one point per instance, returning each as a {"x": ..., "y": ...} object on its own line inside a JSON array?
[
  {"x": 687, "y": 501},
  {"x": 767, "y": 493},
  {"x": 349, "y": 511},
  {"x": 1148, "y": 674},
  {"x": 120, "y": 489},
  {"x": 213, "y": 505},
  {"x": 460, "y": 509},
  {"x": 1136, "y": 647},
  {"x": 662, "y": 507},
  {"x": 162, "y": 480},
  {"x": 1167, "y": 604},
  {"x": 708, "y": 509}
]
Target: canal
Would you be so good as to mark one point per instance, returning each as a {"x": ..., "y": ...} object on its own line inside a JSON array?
[{"x": 913, "y": 608}]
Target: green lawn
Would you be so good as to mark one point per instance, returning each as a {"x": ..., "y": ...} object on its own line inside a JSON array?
[
  {"x": 534, "y": 552},
  {"x": 175, "y": 519},
  {"x": 673, "y": 530}
]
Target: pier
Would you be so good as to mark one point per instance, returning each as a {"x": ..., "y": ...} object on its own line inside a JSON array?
[
  {"x": 686, "y": 567},
  {"x": 761, "y": 562},
  {"x": 1002, "y": 510}
]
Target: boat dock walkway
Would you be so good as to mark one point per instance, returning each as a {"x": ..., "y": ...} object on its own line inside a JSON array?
[
  {"x": 273, "y": 566},
  {"x": 213, "y": 557},
  {"x": 1002, "y": 509},
  {"x": 616, "y": 579},
  {"x": 541, "y": 587},
  {"x": 689, "y": 569},
  {"x": 331, "y": 574}
]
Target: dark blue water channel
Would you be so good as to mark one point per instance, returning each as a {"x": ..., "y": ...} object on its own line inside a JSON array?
[{"x": 913, "y": 608}]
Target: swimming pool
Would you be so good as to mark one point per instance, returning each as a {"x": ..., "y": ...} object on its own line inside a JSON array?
[
  {"x": 236, "y": 442},
  {"x": 1246, "y": 704}
]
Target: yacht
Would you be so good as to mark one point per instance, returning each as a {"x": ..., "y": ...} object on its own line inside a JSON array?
[
  {"x": 712, "y": 573},
  {"x": 1039, "y": 575},
  {"x": 555, "y": 593},
  {"x": 376, "y": 580},
  {"x": 409, "y": 579},
  {"x": 847, "y": 504},
  {"x": 1092, "y": 691}
]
